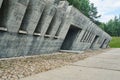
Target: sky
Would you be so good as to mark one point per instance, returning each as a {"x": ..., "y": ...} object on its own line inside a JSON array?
[{"x": 108, "y": 9}]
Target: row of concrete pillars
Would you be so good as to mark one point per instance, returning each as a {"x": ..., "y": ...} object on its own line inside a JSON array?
[
  {"x": 35, "y": 17},
  {"x": 32, "y": 27}
]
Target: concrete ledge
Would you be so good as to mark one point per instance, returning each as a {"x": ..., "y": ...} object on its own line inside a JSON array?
[
  {"x": 71, "y": 51},
  {"x": 36, "y": 34},
  {"x": 47, "y": 36},
  {"x": 22, "y": 32},
  {"x": 56, "y": 37},
  {"x": 3, "y": 29}
]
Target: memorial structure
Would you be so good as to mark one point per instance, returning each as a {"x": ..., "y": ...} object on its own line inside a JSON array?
[{"x": 33, "y": 27}]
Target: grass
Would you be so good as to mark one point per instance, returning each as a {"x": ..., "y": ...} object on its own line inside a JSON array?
[{"x": 115, "y": 43}]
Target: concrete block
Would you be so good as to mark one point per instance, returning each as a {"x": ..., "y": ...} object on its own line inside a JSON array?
[
  {"x": 66, "y": 23},
  {"x": 45, "y": 19},
  {"x": 60, "y": 13},
  {"x": 32, "y": 16},
  {"x": 13, "y": 11}
]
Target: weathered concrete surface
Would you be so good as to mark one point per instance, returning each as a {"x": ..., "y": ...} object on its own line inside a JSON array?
[
  {"x": 1, "y": 2},
  {"x": 12, "y": 14},
  {"x": 32, "y": 27},
  {"x": 104, "y": 66},
  {"x": 32, "y": 16}
]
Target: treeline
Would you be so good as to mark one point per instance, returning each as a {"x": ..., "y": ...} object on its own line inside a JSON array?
[
  {"x": 112, "y": 27},
  {"x": 86, "y": 8}
]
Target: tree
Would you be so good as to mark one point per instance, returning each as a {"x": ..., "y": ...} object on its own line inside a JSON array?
[
  {"x": 93, "y": 14},
  {"x": 112, "y": 27},
  {"x": 86, "y": 8}
]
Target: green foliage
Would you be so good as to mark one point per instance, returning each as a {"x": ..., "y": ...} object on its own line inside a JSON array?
[
  {"x": 115, "y": 43},
  {"x": 112, "y": 27},
  {"x": 86, "y": 8}
]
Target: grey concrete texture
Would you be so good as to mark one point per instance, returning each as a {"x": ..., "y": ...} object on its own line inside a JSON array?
[
  {"x": 1, "y": 2},
  {"x": 32, "y": 16},
  {"x": 109, "y": 60},
  {"x": 32, "y": 27},
  {"x": 105, "y": 66},
  {"x": 13, "y": 14}
]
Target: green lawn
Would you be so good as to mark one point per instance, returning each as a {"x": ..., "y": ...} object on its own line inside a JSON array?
[{"x": 115, "y": 43}]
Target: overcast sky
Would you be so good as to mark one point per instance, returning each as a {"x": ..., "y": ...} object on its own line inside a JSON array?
[{"x": 107, "y": 8}]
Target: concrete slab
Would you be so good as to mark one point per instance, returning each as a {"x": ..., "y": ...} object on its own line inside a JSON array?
[
  {"x": 76, "y": 73},
  {"x": 95, "y": 68},
  {"x": 114, "y": 51},
  {"x": 107, "y": 60},
  {"x": 70, "y": 51}
]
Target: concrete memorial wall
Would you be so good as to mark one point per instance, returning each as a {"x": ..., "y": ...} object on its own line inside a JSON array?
[{"x": 33, "y": 27}]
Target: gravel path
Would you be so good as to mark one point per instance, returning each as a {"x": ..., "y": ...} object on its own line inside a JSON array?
[{"x": 17, "y": 68}]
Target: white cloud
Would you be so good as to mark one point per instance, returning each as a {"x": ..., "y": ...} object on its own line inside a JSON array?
[{"x": 107, "y": 8}]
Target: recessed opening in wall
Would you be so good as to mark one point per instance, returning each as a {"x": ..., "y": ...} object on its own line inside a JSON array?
[
  {"x": 50, "y": 28},
  {"x": 59, "y": 28},
  {"x": 94, "y": 41},
  {"x": 83, "y": 36},
  {"x": 103, "y": 43},
  {"x": 3, "y": 18},
  {"x": 89, "y": 37},
  {"x": 71, "y": 36},
  {"x": 39, "y": 25},
  {"x": 24, "y": 23},
  {"x": 47, "y": 36},
  {"x": 107, "y": 43}
]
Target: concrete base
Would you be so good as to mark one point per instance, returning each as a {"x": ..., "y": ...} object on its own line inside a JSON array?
[{"x": 71, "y": 51}]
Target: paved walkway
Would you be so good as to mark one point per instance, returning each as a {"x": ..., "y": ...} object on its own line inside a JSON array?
[{"x": 104, "y": 66}]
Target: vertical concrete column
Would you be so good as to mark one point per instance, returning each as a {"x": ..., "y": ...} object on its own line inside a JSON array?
[
  {"x": 86, "y": 39},
  {"x": 65, "y": 25},
  {"x": 101, "y": 42},
  {"x": 1, "y": 3},
  {"x": 84, "y": 32},
  {"x": 93, "y": 37},
  {"x": 89, "y": 34},
  {"x": 32, "y": 16},
  {"x": 107, "y": 44},
  {"x": 92, "y": 34},
  {"x": 13, "y": 12},
  {"x": 90, "y": 37},
  {"x": 84, "y": 36},
  {"x": 46, "y": 18},
  {"x": 81, "y": 36},
  {"x": 55, "y": 23},
  {"x": 58, "y": 18},
  {"x": 79, "y": 39},
  {"x": 101, "y": 39},
  {"x": 89, "y": 40}
]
